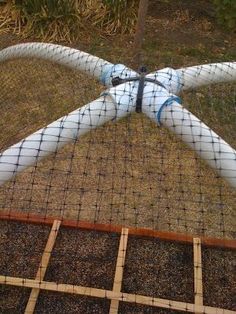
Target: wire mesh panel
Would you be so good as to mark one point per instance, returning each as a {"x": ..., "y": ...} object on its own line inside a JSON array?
[{"x": 164, "y": 169}]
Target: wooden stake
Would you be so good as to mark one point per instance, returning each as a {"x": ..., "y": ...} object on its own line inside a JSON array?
[
  {"x": 112, "y": 295},
  {"x": 119, "y": 269},
  {"x": 43, "y": 266},
  {"x": 198, "y": 287},
  {"x": 140, "y": 28}
]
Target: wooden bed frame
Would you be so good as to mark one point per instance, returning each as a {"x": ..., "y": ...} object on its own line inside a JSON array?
[{"x": 115, "y": 295}]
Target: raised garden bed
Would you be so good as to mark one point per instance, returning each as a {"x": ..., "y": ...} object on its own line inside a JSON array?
[{"x": 92, "y": 271}]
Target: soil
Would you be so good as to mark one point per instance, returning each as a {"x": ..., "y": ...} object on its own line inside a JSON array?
[
  {"x": 129, "y": 308},
  {"x": 13, "y": 300},
  {"x": 159, "y": 269},
  {"x": 201, "y": 8},
  {"x": 219, "y": 277},
  {"x": 21, "y": 247},
  {"x": 55, "y": 303},
  {"x": 86, "y": 258}
]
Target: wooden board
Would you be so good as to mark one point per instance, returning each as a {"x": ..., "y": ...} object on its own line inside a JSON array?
[
  {"x": 162, "y": 235},
  {"x": 43, "y": 266},
  {"x": 197, "y": 259},
  {"x": 112, "y": 295},
  {"x": 119, "y": 269}
]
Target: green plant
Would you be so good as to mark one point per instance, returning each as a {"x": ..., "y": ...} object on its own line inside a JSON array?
[
  {"x": 50, "y": 19},
  {"x": 62, "y": 20},
  {"x": 226, "y": 12}
]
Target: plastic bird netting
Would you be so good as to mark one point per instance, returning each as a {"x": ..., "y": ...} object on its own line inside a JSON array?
[{"x": 148, "y": 150}]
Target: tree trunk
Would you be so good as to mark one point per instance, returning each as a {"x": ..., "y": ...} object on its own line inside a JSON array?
[{"x": 140, "y": 28}]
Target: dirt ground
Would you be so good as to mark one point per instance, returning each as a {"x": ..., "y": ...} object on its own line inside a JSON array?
[
  {"x": 141, "y": 309},
  {"x": 13, "y": 299},
  {"x": 21, "y": 247}
]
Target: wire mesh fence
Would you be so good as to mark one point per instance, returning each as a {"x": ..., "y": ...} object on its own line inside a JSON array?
[{"x": 163, "y": 169}]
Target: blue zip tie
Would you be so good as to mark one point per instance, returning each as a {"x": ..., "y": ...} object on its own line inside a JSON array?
[{"x": 168, "y": 102}]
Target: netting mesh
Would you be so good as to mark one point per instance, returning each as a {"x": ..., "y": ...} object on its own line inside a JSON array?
[{"x": 129, "y": 172}]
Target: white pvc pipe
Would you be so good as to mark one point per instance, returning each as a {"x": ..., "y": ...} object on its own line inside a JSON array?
[
  {"x": 54, "y": 136},
  {"x": 201, "y": 75},
  {"x": 186, "y": 78},
  {"x": 192, "y": 131},
  {"x": 118, "y": 102},
  {"x": 181, "y": 79},
  {"x": 115, "y": 103},
  {"x": 207, "y": 144},
  {"x": 72, "y": 58}
]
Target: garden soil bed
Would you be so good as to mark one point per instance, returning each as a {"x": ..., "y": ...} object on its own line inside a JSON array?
[{"x": 153, "y": 267}]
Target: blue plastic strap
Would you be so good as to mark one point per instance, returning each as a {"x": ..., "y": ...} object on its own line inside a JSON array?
[{"x": 168, "y": 102}]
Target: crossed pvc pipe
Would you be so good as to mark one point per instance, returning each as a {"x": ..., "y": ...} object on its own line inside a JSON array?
[{"x": 161, "y": 104}]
